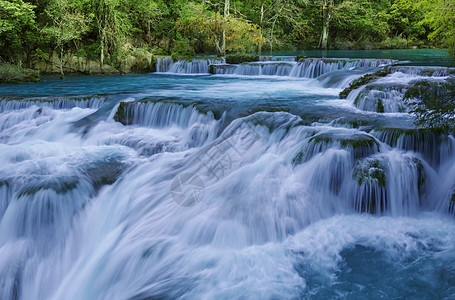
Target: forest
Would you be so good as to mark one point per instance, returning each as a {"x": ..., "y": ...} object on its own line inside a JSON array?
[{"x": 107, "y": 31}]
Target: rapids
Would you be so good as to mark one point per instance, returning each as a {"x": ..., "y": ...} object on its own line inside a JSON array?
[{"x": 214, "y": 181}]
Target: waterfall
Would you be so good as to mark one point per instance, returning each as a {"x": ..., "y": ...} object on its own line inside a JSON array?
[
  {"x": 9, "y": 104},
  {"x": 424, "y": 71},
  {"x": 386, "y": 94},
  {"x": 163, "y": 63},
  {"x": 202, "y": 127},
  {"x": 434, "y": 145},
  {"x": 186, "y": 65},
  {"x": 377, "y": 98},
  {"x": 189, "y": 187},
  {"x": 309, "y": 68}
]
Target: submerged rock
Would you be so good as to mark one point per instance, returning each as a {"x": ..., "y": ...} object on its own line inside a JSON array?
[
  {"x": 60, "y": 185},
  {"x": 105, "y": 173},
  {"x": 369, "y": 171}
]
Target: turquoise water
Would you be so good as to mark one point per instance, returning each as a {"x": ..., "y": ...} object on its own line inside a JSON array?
[
  {"x": 415, "y": 57},
  {"x": 258, "y": 182}
]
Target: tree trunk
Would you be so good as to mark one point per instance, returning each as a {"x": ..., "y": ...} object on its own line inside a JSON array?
[
  {"x": 326, "y": 15},
  {"x": 261, "y": 24},
  {"x": 223, "y": 37},
  {"x": 62, "y": 76},
  {"x": 103, "y": 33}
]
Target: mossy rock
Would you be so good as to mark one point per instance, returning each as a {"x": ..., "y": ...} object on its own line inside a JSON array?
[
  {"x": 426, "y": 141},
  {"x": 364, "y": 80},
  {"x": 121, "y": 115},
  {"x": 415, "y": 131},
  {"x": 355, "y": 123},
  {"x": 4, "y": 183},
  {"x": 105, "y": 173},
  {"x": 373, "y": 96},
  {"x": 355, "y": 142},
  {"x": 241, "y": 58},
  {"x": 370, "y": 171},
  {"x": 421, "y": 176},
  {"x": 371, "y": 196},
  {"x": 360, "y": 145},
  {"x": 300, "y": 58},
  {"x": 60, "y": 185}
]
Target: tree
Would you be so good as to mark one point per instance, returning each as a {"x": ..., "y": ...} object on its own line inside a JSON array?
[
  {"x": 17, "y": 27},
  {"x": 441, "y": 19},
  {"x": 145, "y": 14},
  {"x": 439, "y": 15},
  {"x": 68, "y": 25},
  {"x": 222, "y": 48},
  {"x": 225, "y": 34},
  {"x": 327, "y": 6},
  {"x": 112, "y": 25}
]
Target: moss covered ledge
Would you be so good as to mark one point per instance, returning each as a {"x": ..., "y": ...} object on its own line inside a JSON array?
[{"x": 364, "y": 80}]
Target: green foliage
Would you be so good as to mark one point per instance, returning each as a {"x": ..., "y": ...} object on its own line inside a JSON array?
[
  {"x": 100, "y": 29},
  {"x": 300, "y": 58},
  {"x": 438, "y": 15},
  {"x": 182, "y": 46},
  {"x": 202, "y": 29},
  {"x": 15, "y": 74},
  {"x": 92, "y": 51},
  {"x": 17, "y": 25},
  {"x": 433, "y": 103},
  {"x": 39, "y": 56},
  {"x": 380, "y": 108},
  {"x": 68, "y": 24}
]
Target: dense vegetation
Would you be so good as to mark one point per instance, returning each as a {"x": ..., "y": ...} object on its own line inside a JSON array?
[
  {"x": 433, "y": 103},
  {"x": 108, "y": 30}
]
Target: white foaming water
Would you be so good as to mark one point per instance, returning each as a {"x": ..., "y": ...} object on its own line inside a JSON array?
[
  {"x": 63, "y": 103},
  {"x": 187, "y": 66},
  {"x": 309, "y": 68},
  {"x": 385, "y": 94},
  {"x": 286, "y": 209}
]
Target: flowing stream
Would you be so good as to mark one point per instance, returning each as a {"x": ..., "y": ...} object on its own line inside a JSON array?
[{"x": 207, "y": 180}]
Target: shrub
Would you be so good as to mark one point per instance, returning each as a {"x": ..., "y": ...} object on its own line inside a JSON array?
[{"x": 15, "y": 74}]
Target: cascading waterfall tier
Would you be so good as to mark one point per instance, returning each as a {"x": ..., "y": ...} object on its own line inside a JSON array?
[
  {"x": 186, "y": 66},
  {"x": 309, "y": 68},
  {"x": 9, "y": 104},
  {"x": 386, "y": 91}
]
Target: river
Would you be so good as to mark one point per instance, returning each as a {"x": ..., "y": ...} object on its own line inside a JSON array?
[{"x": 213, "y": 181}]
